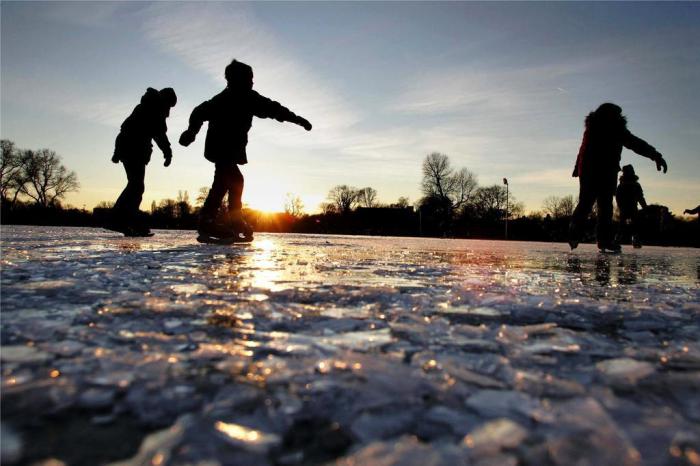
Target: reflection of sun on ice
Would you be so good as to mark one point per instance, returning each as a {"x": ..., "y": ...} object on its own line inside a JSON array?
[{"x": 266, "y": 271}]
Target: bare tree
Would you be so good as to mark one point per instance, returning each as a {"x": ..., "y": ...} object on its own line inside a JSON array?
[
  {"x": 183, "y": 204},
  {"x": 46, "y": 180},
  {"x": 489, "y": 203},
  {"x": 441, "y": 181},
  {"x": 10, "y": 172},
  {"x": 293, "y": 205},
  {"x": 464, "y": 187},
  {"x": 559, "y": 207},
  {"x": 438, "y": 176},
  {"x": 201, "y": 196},
  {"x": 367, "y": 197},
  {"x": 343, "y": 198},
  {"x": 401, "y": 202}
]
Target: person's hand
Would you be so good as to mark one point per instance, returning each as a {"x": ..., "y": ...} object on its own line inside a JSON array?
[
  {"x": 167, "y": 161},
  {"x": 186, "y": 138},
  {"x": 661, "y": 164},
  {"x": 115, "y": 159},
  {"x": 304, "y": 123}
]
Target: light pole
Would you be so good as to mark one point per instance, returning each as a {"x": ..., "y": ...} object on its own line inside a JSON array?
[{"x": 505, "y": 182}]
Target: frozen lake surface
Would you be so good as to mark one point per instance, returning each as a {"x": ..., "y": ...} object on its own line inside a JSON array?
[{"x": 300, "y": 349}]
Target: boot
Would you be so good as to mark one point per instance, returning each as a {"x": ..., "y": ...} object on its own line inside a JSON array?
[
  {"x": 610, "y": 247},
  {"x": 636, "y": 242},
  {"x": 210, "y": 227},
  {"x": 238, "y": 226}
]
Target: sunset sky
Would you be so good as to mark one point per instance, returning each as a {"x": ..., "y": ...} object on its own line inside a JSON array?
[{"x": 501, "y": 88}]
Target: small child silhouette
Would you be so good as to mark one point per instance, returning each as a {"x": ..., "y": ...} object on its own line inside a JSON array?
[
  {"x": 629, "y": 193},
  {"x": 230, "y": 114}
]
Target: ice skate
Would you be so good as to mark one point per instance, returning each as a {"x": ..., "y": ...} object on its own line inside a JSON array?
[
  {"x": 609, "y": 248},
  {"x": 133, "y": 229},
  {"x": 211, "y": 231},
  {"x": 636, "y": 242}
]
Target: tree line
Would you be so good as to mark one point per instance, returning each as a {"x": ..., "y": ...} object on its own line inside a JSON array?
[{"x": 33, "y": 184}]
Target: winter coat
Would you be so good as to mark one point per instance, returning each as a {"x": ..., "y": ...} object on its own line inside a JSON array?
[
  {"x": 146, "y": 123},
  {"x": 601, "y": 148},
  {"x": 230, "y": 116},
  {"x": 629, "y": 194}
]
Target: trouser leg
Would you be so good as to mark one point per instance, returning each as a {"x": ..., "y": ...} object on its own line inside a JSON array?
[
  {"x": 218, "y": 190},
  {"x": 586, "y": 199},
  {"x": 635, "y": 227},
  {"x": 235, "y": 190},
  {"x": 604, "y": 201},
  {"x": 127, "y": 205}
]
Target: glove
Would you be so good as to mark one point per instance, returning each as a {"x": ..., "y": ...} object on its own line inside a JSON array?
[
  {"x": 115, "y": 158},
  {"x": 661, "y": 163},
  {"x": 186, "y": 138},
  {"x": 167, "y": 161},
  {"x": 304, "y": 123}
]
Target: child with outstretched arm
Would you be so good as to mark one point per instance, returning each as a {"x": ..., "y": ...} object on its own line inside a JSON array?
[{"x": 230, "y": 115}]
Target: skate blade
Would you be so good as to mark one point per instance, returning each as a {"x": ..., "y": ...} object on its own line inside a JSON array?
[
  {"x": 213, "y": 240},
  {"x": 138, "y": 235}
]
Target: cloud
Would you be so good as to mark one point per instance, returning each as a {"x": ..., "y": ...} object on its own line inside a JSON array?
[
  {"x": 206, "y": 36},
  {"x": 66, "y": 97},
  {"x": 463, "y": 88}
]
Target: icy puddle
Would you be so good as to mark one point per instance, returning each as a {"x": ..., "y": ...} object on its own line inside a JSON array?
[{"x": 300, "y": 349}]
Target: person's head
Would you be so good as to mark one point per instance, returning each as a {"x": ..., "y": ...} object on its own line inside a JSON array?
[
  {"x": 168, "y": 97},
  {"x": 239, "y": 75},
  {"x": 628, "y": 170},
  {"x": 607, "y": 116},
  {"x": 610, "y": 112},
  {"x": 628, "y": 173}
]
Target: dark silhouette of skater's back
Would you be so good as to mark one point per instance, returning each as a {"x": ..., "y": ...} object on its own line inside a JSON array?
[
  {"x": 145, "y": 123},
  {"x": 133, "y": 148}
]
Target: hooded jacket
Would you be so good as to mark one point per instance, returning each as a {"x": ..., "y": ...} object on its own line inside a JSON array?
[
  {"x": 601, "y": 148},
  {"x": 146, "y": 123},
  {"x": 230, "y": 116}
]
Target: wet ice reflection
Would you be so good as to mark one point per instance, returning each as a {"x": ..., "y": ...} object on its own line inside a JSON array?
[{"x": 309, "y": 349}]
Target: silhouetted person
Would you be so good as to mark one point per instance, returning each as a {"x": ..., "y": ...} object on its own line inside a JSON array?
[
  {"x": 230, "y": 116},
  {"x": 694, "y": 211},
  {"x": 133, "y": 148},
  {"x": 596, "y": 167},
  {"x": 629, "y": 193}
]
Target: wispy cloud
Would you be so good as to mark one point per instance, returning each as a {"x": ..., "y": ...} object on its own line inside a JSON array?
[
  {"x": 65, "y": 97},
  {"x": 462, "y": 88},
  {"x": 208, "y": 35}
]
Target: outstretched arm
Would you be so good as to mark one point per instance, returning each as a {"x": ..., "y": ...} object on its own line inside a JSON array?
[
  {"x": 268, "y": 108},
  {"x": 160, "y": 136},
  {"x": 200, "y": 114},
  {"x": 642, "y": 201},
  {"x": 644, "y": 149}
]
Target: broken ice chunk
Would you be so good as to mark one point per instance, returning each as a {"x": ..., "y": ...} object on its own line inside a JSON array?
[
  {"x": 495, "y": 435},
  {"x": 624, "y": 371},
  {"x": 250, "y": 439}
]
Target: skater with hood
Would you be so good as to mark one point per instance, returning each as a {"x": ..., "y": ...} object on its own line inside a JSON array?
[
  {"x": 629, "y": 193},
  {"x": 230, "y": 115},
  {"x": 133, "y": 148},
  {"x": 596, "y": 167}
]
